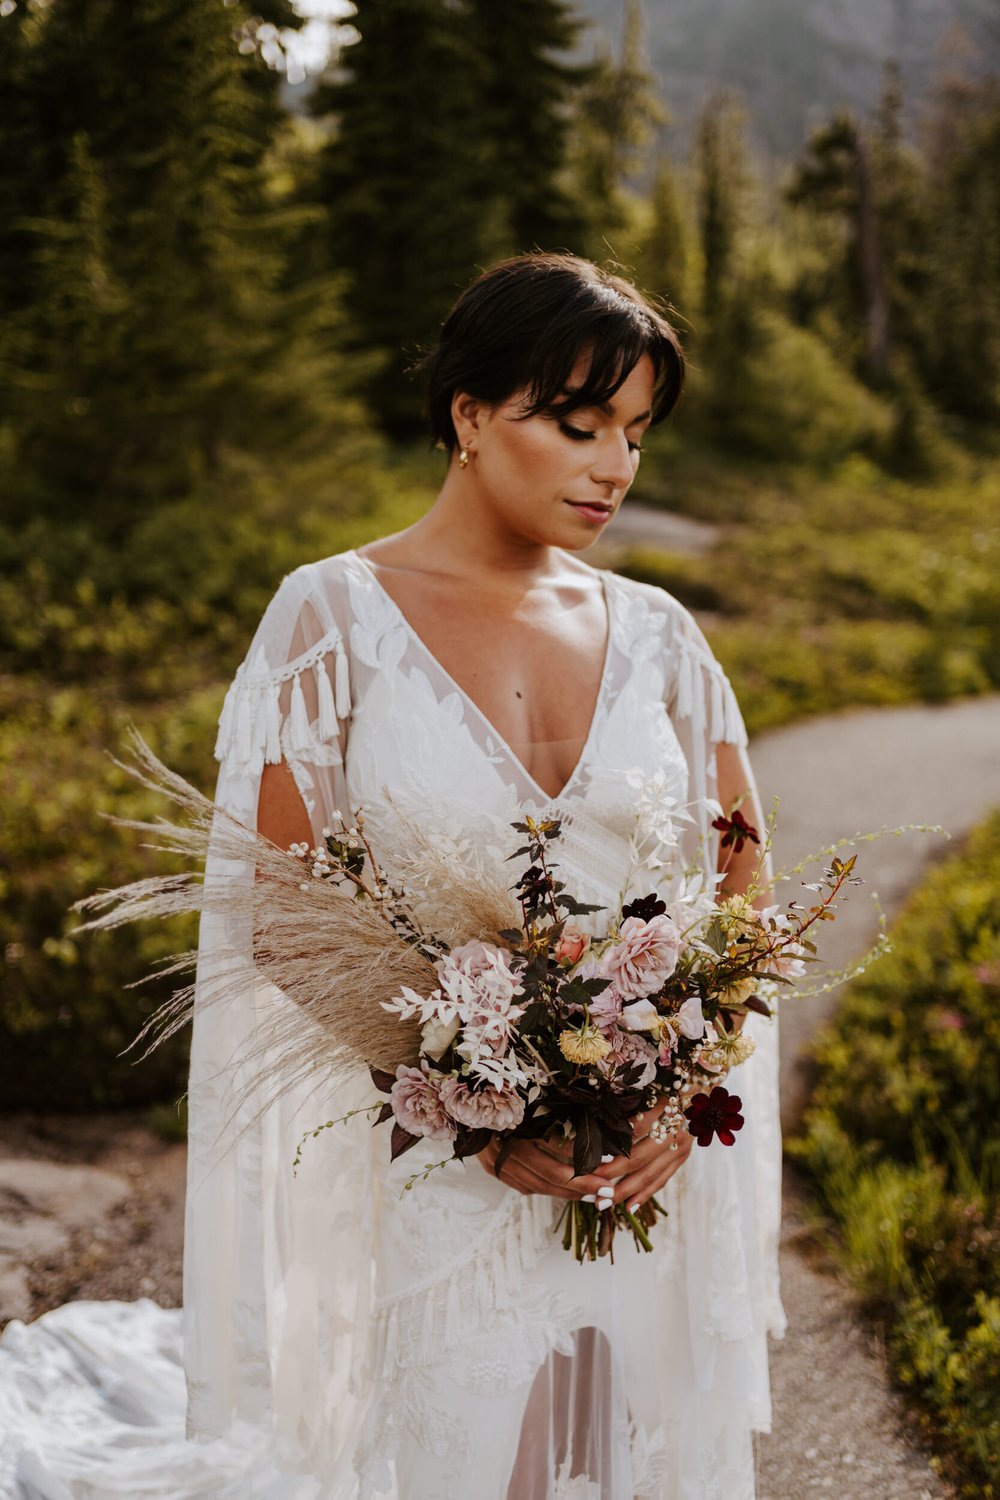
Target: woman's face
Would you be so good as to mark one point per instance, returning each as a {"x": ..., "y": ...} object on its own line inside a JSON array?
[{"x": 557, "y": 480}]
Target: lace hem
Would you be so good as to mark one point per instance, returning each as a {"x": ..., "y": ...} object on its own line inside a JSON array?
[{"x": 418, "y": 1326}]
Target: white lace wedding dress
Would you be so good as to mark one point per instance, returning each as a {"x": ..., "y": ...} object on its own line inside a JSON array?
[{"x": 344, "y": 1339}]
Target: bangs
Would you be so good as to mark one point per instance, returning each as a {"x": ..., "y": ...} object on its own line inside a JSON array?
[
  {"x": 526, "y": 325},
  {"x": 616, "y": 342}
]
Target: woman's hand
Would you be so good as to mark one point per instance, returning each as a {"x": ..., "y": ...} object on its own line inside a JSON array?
[
  {"x": 530, "y": 1167},
  {"x": 542, "y": 1167},
  {"x": 651, "y": 1165}
]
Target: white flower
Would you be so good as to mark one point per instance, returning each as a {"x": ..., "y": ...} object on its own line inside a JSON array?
[
  {"x": 437, "y": 1036},
  {"x": 690, "y": 1019},
  {"x": 642, "y": 1016}
]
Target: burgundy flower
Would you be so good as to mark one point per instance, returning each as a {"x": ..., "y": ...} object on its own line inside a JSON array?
[
  {"x": 736, "y": 830},
  {"x": 645, "y": 907},
  {"x": 717, "y": 1113}
]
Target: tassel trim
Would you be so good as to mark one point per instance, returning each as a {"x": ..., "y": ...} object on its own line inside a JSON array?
[
  {"x": 250, "y": 725},
  {"x": 704, "y": 695},
  {"x": 419, "y": 1326}
]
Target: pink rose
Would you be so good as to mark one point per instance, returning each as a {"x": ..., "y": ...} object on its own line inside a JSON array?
[
  {"x": 627, "y": 1049},
  {"x": 482, "y": 1109},
  {"x": 643, "y": 957},
  {"x": 474, "y": 958},
  {"x": 571, "y": 946},
  {"x": 416, "y": 1103}
]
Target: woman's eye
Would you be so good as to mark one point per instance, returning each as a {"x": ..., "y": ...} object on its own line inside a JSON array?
[
  {"x": 635, "y": 448},
  {"x": 579, "y": 433}
]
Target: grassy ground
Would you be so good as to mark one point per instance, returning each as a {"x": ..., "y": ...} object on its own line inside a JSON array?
[{"x": 824, "y": 593}]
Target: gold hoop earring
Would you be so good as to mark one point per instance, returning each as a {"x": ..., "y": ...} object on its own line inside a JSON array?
[{"x": 463, "y": 458}]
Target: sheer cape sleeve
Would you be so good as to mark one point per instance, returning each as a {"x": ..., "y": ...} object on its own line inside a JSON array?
[
  {"x": 266, "y": 1322},
  {"x": 705, "y": 714}
]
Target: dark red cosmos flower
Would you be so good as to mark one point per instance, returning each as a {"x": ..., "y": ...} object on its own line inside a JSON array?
[
  {"x": 736, "y": 830},
  {"x": 646, "y": 907},
  {"x": 717, "y": 1113}
]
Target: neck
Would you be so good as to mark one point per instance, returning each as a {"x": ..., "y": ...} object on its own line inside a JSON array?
[{"x": 462, "y": 534}]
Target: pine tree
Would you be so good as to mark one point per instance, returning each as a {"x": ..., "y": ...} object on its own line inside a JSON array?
[
  {"x": 617, "y": 116},
  {"x": 522, "y": 119},
  {"x": 664, "y": 267},
  {"x": 146, "y": 312},
  {"x": 835, "y": 176},
  {"x": 403, "y": 187},
  {"x": 957, "y": 343},
  {"x": 722, "y": 177}
]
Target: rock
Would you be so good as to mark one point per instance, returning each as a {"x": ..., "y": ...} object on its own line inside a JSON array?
[
  {"x": 42, "y": 1205},
  {"x": 78, "y": 1197}
]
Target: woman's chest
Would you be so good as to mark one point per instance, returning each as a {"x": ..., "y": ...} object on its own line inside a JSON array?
[{"x": 416, "y": 732}]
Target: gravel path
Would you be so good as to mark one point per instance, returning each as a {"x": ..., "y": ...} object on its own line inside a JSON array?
[
  {"x": 838, "y": 1426},
  {"x": 93, "y": 1207}
]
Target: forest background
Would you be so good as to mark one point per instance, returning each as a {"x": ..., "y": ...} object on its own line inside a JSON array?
[{"x": 212, "y": 287}]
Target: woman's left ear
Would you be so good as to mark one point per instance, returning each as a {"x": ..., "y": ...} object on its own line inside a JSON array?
[{"x": 466, "y": 414}]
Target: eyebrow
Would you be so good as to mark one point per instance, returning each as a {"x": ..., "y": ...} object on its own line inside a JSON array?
[{"x": 609, "y": 411}]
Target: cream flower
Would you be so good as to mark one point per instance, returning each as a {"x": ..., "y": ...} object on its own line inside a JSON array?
[
  {"x": 728, "y": 1051},
  {"x": 584, "y": 1046},
  {"x": 642, "y": 1015}
]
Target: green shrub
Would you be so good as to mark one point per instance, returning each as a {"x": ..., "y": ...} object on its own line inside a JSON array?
[
  {"x": 903, "y": 1140},
  {"x": 67, "y": 1011}
]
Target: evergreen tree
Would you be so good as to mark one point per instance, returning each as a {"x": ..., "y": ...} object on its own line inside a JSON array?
[
  {"x": 522, "y": 119},
  {"x": 147, "y": 323},
  {"x": 401, "y": 177},
  {"x": 835, "y": 177},
  {"x": 618, "y": 113},
  {"x": 664, "y": 267},
  {"x": 723, "y": 179},
  {"x": 957, "y": 339},
  {"x": 449, "y": 138}
]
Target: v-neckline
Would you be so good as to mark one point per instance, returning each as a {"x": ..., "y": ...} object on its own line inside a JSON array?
[{"x": 547, "y": 798}]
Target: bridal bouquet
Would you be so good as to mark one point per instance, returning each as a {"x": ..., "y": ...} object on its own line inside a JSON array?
[
  {"x": 535, "y": 1031},
  {"x": 547, "y": 1033}
]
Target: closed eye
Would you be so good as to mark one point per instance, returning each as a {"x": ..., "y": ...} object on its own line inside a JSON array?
[{"x": 583, "y": 434}]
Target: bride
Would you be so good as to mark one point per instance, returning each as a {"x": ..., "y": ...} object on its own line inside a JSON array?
[{"x": 342, "y": 1337}]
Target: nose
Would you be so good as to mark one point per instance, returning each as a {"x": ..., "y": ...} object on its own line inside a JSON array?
[{"x": 613, "y": 461}]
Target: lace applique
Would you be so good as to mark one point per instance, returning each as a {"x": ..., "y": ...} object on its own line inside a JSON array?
[
  {"x": 510, "y": 1353},
  {"x": 577, "y": 1488}
]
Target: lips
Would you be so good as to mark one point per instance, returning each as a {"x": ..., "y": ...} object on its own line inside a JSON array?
[{"x": 591, "y": 509}]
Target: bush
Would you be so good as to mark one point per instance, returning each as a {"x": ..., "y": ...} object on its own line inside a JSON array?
[
  {"x": 902, "y": 1138},
  {"x": 785, "y": 396}
]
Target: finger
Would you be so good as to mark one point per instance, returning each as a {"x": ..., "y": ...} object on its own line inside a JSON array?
[
  {"x": 526, "y": 1181},
  {"x": 531, "y": 1170},
  {"x": 550, "y": 1170},
  {"x": 639, "y": 1186}
]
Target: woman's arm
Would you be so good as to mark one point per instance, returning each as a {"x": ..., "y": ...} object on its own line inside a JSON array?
[
  {"x": 281, "y": 813},
  {"x": 736, "y": 785}
]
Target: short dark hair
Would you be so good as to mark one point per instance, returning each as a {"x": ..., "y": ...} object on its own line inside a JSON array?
[{"x": 523, "y": 324}]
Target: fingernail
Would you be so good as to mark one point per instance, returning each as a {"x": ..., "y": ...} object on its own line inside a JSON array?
[
  {"x": 633, "y": 1206},
  {"x": 588, "y": 1198},
  {"x": 606, "y": 1192},
  {"x": 605, "y": 1203},
  {"x": 606, "y": 1158}
]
